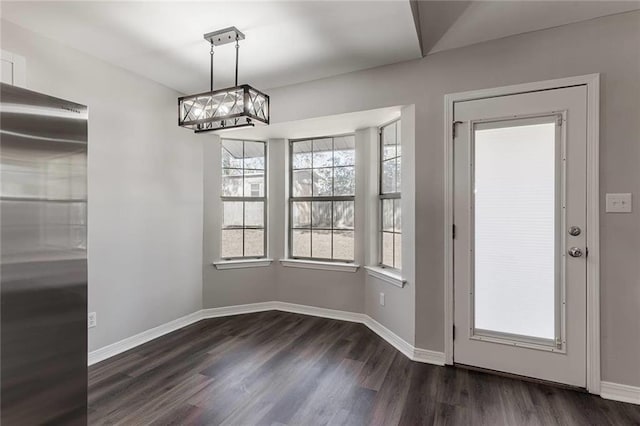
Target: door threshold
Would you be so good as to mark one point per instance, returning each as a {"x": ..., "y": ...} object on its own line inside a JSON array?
[{"x": 519, "y": 377}]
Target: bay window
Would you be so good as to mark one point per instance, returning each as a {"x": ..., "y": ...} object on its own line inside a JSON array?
[{"x": 322, "y": 198}]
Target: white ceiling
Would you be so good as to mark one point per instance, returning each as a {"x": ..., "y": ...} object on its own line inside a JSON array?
[
  {"x": 451, "y": 24},
  {"x": 286, "y": 42},
  {"x": 317, "y": 127}
]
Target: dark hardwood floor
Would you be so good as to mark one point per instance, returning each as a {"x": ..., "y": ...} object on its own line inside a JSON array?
[{"x": 276, "y": 368}]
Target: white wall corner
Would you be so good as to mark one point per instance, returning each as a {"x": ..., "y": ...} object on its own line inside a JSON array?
[
  {"x": 276, "y": 198},
  {"x": 408, "y": 202},
  {"x": 367, "y": 149},
  {"x": 212, "y": 158},
  {"x": 619, "y": 392}
]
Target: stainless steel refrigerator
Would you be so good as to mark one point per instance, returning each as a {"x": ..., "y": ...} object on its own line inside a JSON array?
[{"x": 43, "y": 270}]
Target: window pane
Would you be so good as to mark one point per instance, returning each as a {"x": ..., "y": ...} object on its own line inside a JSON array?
[
  {"x": 302, "y": 155},
  {"x": 398, "y": 254},
  {"x": 254, "y": 214},
  {"x": 343, "y": 243},
  {"x": 344, "y": 181},
  {"x": 301, "y": 185},
  {"x": 345, "y": 151},
  {"x": 397, "y": 216},
  {"x": 388, "y": 176},
  {"x": 301, "y": 243},
  {"x": 321, "y": 244},
  {"x": 387, "y": 215},
  {"x": 231, "y": 214},
  {"x": 343, "y": 214},
  {"x": 254, "y": 183},
  {"x": 515, "y": 212},
  {"x": 398, "y": 174},
  {"x": 254, "y": 155},
  {"x": 322, "y": 153},
  {"x": 243, "y": 175},
  {"x": 321, "y": 214},
  {"x": 232, "y": 183},
  {"x": 389, "y": 141},
  {"x": 231, "y": 243},
  {"x": 332, "y": 174},
  {"x": 390, "y": 183},
  {"x": 254, "y": 242},
  {"x": 322, "y": 182},
  {"x": 232, "y": 153},
  {"x": 301, "y": 212},
  {"x": 387, "y": 249}
]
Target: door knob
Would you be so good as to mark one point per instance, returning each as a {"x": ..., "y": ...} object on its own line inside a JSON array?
[{"x": 575, "y": 252}]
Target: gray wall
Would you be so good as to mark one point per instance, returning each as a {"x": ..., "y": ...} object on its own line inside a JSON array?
[
  {"x": 145, "y": 188},
  {"x": 608, "y": 46}
]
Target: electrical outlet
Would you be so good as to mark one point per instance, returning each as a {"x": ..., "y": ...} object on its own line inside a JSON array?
[
  {"x": 381, "y": 299},
  {"x": 93, "y": 319}
]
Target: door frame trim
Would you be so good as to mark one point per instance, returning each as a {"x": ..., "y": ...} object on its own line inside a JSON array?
[{"x": 592, "y": 82}]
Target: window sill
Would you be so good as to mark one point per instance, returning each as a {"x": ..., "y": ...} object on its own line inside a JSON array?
[
  {"x": 242, "y": 263},
  {"x": 315, "y": 264},
  {"x": 386, "y": 275}
]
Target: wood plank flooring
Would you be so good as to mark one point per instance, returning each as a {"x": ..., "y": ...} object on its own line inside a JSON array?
[{"x": 276, "y": 368}]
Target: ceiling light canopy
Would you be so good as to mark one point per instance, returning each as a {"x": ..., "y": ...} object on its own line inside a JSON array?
[{"x": 233, "y": 107}]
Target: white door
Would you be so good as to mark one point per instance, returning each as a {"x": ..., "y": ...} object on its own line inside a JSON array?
[{"x": 520, "y": 218}]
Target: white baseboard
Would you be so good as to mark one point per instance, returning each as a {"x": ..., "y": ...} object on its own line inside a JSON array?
[
  {"x": 410, "y": 351},
  {"x": 428, "y": 357},
  {"x": 226, "y": 311},
  {"x": 618, "y": 392},
  {"x": 393, "y": 339},
  {"x": 140, "y": 338},
  {"x": 319, "y": 312}
]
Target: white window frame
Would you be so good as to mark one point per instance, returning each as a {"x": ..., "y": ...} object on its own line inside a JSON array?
[
  {"x": 231, "y": 261},
  {"x": 324, "y": 263},
  {"x": 386, "y": 196}
]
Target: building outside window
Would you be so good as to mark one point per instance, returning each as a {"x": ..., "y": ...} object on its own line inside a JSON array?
[
  {"x": 322, "y": 198},
  {"x": 390, "y": 191},
  {"x": 243, "y": 199}
]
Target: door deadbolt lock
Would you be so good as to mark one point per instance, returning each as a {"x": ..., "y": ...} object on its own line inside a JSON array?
[
  {"x": 575, "y": 252},
  {"x": 574, "y": 231}
]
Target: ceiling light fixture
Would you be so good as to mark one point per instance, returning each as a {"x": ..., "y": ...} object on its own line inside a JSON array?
[{"x": 233, "y": 107}]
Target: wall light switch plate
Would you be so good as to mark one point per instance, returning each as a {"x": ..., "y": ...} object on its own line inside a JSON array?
[
  {"x": 618, "y": 203},
  {"x": 381, "y": 299},
  {"x": 92, "y": 319}
]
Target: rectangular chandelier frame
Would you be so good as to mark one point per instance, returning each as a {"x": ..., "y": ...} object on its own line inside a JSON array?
[{"x": 233, "y": 107}]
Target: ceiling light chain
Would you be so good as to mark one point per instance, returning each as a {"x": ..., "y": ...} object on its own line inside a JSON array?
[
  {"x": 211, "y": 69},
  {"x": 237, "y": 53}
]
